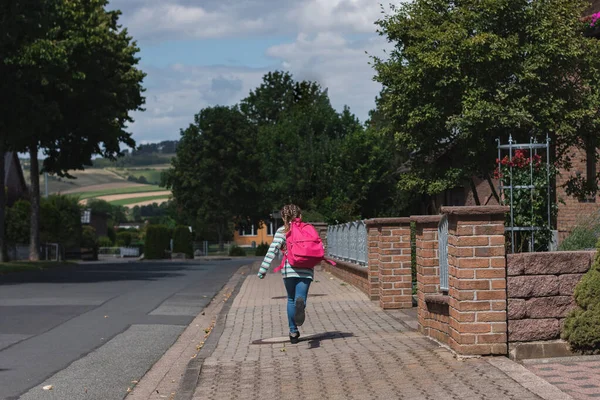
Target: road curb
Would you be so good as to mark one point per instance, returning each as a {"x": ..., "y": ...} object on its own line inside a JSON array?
[
  {"x": 191, "y": 376},
  {"x": 528, "y": 379}
]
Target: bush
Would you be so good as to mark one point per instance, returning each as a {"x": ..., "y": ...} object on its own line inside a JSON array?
[
  {"x": 582, "y": 326},
  {"x": 104, "y": 241},
  {"x": 157, "y": 242},
  {"x": 581, "y": 238},
  {"x": 125, "y": 238},
  {"x": 17, "y": 222},
  {"x": 111, "y": 234},
  {"x": 261, "y": 250},
  {"x": 89, "y": 240},
  {"x": 60, "y": 221},
  {"x": 236, "y": 251},
  {"x": 182, "y": 241}
]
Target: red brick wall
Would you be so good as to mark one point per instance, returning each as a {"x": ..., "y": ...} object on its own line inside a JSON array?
[
  {"x": 477, "y": 279},
  {"x": 433, "y": 313},
  {"x": 353, "y": 274},
  {"x": 540, "y": 292},
  {"x": 573, "y": 211},
  {"x": 387, "y": 278},
  {"x": 390, "y": 261}
]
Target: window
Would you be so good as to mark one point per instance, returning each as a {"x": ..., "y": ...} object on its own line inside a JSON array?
[{"x": 247, "y": 230}]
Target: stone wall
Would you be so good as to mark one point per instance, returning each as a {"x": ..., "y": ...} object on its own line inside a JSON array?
[{"x": 540, "y": 290}]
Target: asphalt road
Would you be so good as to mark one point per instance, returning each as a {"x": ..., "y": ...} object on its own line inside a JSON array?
[{"x": 92, "y": 330}]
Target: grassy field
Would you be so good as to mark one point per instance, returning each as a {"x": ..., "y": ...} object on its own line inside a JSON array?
[
  {"x": 124, "y": 190},
  {"x": 83, "y": 179},
  {"x": 135, "y": 200},
  {"x": 152, "y": 175}
]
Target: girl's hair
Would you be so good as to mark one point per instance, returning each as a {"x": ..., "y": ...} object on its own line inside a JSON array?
[{"x": 289, "y": 213}]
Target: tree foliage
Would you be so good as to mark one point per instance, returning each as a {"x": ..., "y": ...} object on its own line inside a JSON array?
[
  {"x": 69, "y": 72},
  {"x": 284, "y": 143},
  {"x": 214, "y": 171},
  {"x": 463, "y": 73}
]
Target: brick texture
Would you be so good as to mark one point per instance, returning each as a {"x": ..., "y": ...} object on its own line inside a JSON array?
[
  {"x": 389, "y": 254},
  {"x": 573, "y": 211},
  {"x": 433, "y": 315},
  {"x": 477, "y": 280}
]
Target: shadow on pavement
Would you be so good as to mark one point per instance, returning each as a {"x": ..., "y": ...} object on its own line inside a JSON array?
[
  {"x": 95, "y": 273},
  {"x": 313, "y": 340}
]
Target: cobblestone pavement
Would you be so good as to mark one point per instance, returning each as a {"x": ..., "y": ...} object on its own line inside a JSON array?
[
  {"x": 351, "y": 349},
  {"x": 577, "y": 376}
]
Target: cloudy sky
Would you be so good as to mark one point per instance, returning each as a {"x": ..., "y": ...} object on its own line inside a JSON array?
[{"x": 199, "y": 53}]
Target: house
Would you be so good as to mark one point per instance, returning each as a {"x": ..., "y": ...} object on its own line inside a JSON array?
[
  {"x": 252, "y": 236},
  {"x": 14, "y": 178}
]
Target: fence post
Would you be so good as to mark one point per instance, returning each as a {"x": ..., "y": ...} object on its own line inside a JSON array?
[
  {"x": 477, "y": 279},
  {"x": 390, "y": 261},
  {"x": 373, "y": 233}
]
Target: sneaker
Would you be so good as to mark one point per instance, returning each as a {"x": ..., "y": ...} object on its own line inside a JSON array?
[
  {"x": 294, "y": 337},
  {"x": 299, "y": 316}
]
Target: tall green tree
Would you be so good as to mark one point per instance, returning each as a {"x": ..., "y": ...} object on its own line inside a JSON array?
[
  {"x": 299, "y": 133},
  {"x": 463, "y": 73},
  {"x": 74, "y": 82},
  {"x": 213, "y": 175}
]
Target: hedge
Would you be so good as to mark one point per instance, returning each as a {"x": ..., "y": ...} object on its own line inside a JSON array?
[
  {"x": 182, "y": 241},
  {"x": 157, "y": 242},
  {"x": 582, "y": 326}
]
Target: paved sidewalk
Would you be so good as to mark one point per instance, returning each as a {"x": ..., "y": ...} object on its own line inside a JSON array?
[
  {"x": 578, "y": 376},
  {"x": 351, "y": 349}
]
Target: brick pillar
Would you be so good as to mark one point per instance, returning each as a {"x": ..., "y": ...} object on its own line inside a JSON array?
[
  {"x": 432, "y": 314},
  {"x": 321, "y": 228},
  {"x": 390, "y": 248},
  {"x": 373, "y": 232},
  {"x": 477, "y": 279}
]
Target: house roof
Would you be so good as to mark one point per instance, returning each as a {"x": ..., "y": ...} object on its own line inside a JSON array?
[{"x": 12, "y": 164}]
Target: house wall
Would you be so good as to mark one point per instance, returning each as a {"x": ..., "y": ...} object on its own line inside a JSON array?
[
  {"x": 260, "y": 236},
  {"x": 572, "y": 211}
]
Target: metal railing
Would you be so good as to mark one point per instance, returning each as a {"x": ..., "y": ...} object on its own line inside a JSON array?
[
  {"x": 119, "y": 251},
  {"x": 48, "y": 252},
  {"x": 348, "y": 242},
  {"x": 443, "y": 252}
]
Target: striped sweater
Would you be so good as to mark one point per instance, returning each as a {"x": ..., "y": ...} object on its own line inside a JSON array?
[{"x": 288, "y": 271}]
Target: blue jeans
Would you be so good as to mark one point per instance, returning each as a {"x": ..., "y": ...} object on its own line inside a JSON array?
[{"x": 295, "y": 287}]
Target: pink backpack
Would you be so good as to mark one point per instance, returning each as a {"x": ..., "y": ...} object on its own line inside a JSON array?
[{"x": 304, "y": 247}]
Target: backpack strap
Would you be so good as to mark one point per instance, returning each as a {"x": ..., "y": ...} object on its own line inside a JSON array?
[{"x": 282, "y": 265}]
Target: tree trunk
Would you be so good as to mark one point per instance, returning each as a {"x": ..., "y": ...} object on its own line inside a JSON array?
[
  {"x": 492, "y": 187},
  {"x": 3, "y": 253},
  {"x": 220, "y": 237},
  {"x": 34, "y": 244},
  {"x": 474, "y": 190}
]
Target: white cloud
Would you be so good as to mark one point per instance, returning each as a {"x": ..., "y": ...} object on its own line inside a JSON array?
[
  {"x": 175, "y": 94},
  {"x": 159, "y": 20},
  {"x": 337, "y": 64},
  {"x": 331, "y": 38}
]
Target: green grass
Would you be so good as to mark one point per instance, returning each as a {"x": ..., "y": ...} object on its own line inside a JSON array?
[
  {"x": 151, "y": 175},
  {"x": 134, "y": 200},
  {"x": 22, "y": 266},
  {"x": 125, "y": 190}
]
